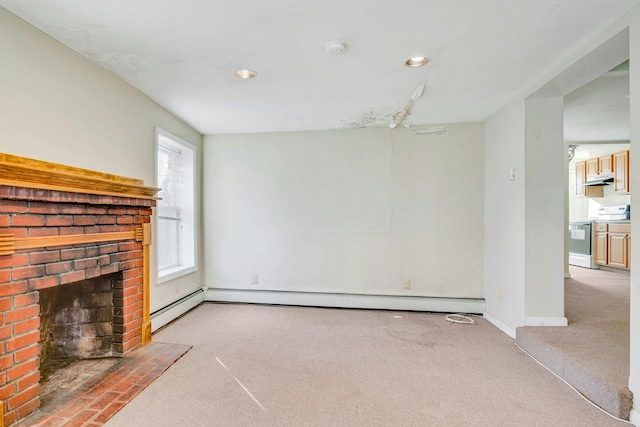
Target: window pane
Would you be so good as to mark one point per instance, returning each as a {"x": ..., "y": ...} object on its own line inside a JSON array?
[
  {"x": 170, "y": 182},
  {"x": 167, "y": 240}
]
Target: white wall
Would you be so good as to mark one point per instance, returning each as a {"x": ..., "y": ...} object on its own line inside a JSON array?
[
  {"x": 545, "y": 226},
  {"x": 524, "y": 217},
  {"x": 346, "y": 211},
  {"x": 504, "y": 218},
  {"x": 56, "y": 105}
]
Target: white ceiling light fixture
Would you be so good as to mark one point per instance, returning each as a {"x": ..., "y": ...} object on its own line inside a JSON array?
[
  {"x": 245, "y": 74},
  {"x": 416, "y": 61},
  {"x": 335, "y": 47},
  {"x": 431, "y": 130}
]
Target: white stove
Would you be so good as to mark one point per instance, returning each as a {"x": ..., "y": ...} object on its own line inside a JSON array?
[
  {"x": 581, "y": 239},
  {"x": 619, "y": 212}
]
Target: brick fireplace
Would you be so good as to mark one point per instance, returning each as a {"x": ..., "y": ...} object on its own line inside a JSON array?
[{"x": 61, "y": 227}]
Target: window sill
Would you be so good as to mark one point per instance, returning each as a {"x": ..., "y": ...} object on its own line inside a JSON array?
[{"x": 174, "y": 273}]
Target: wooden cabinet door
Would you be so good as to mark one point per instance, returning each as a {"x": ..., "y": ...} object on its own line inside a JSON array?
[
  {"x": 580, "y": 178},
  {"x": 621, "y": 172},
  {"x": 629, "y": 251},
  {"x": 618, "y": 250},
  {"x": 600, "y": 248},
  {"x": 605, "y": 164},
  {"x": 592, "y": 167}
]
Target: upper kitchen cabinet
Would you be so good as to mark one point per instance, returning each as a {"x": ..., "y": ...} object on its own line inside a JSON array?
[
  {"x": 621, "y": 172},
  {"x": 599, "y": 166},
  {"x": 581, "y": 177},
  {"x": 592, "y": 168},
  {"x": 605, "y": 171},
  {"x": 605, "y": 164}
]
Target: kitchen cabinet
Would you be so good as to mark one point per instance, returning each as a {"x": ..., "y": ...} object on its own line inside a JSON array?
[
  {"x": 612, "y": 246},
  {"x": 592, "y": 167},
  {"x": 600, "y": 244},
  {"x": 621, "y": 172},
  {"x": 605, "y": 164},
  {"x": 618, "y": 241},
  {"x": 581, "y": 178},
  {"x": 600, "y": 165}
]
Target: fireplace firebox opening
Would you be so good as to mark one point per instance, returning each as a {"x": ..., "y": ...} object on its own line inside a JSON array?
[{"x": 76, "y": 322}]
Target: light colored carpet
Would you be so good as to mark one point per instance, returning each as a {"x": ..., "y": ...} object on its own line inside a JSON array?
[
  {"x": 592, "y": 353},
  {"x": 334, "y": 367}
]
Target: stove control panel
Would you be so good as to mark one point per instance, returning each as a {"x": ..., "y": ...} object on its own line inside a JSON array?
[{"x": 614, "y": 212}]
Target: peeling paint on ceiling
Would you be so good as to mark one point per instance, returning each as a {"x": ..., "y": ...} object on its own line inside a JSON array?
[{"x": 370, "y": 118}]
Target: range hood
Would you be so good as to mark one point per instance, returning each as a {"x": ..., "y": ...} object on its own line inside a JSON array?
[{"x": 599, "y": 180}]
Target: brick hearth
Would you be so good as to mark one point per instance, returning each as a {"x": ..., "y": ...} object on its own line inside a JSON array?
[{"x": 60, "y": 225}]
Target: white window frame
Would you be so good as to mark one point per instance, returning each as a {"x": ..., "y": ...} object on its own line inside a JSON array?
[{"x": 187, "y": 235}]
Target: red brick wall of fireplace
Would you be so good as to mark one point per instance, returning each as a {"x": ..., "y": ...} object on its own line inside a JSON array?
[{"x": 29, "y": 213}]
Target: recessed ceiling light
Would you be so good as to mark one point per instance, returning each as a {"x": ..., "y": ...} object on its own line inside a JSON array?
[
  {"x": 416, "y": 61},
  {"x": 245, "y": 74}
]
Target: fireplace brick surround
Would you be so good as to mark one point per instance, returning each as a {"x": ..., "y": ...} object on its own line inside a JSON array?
[{"x": 60, "y": 225}]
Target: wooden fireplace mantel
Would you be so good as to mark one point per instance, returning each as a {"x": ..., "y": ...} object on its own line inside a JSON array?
[{"x": 29, "y": 173}]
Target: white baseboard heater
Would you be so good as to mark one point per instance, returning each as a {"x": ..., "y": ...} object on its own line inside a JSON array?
[
  {"x": 317, "y": 299},
  {"x": 163, "y": 316}
]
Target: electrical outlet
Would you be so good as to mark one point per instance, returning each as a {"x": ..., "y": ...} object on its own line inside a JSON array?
[
  {"x": 500, "y": 295},
  {"x": 254, "y": 279},
  {"x": 406, "y": 284}
]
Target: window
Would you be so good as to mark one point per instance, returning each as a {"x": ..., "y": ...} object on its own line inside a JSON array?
[{"x": 175, "y": 237}]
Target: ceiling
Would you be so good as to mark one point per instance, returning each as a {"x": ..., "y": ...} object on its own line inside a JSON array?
[
  {"x": 184, "y": 55},
  {"x": 599, "y": 111}
]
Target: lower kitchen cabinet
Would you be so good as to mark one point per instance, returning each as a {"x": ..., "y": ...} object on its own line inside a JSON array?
[
  {"x": 613, "y": 244},
  {"x": 618, "y": 250},
  {"x": 600, "y": 248}
]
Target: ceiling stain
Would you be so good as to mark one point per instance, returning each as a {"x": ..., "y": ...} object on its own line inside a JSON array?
[
  {"x": 127, "y": 62},
  {"x": 370, "y": 118},
  {"x": 80, "y": 38}
]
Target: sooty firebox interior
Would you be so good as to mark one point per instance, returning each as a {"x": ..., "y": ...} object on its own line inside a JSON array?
[{"x": 76, "y": 322}]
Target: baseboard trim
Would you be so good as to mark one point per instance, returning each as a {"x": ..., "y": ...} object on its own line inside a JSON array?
[
  {"x": 171, "y": 312},
  {"x": 634, "y": 418},
  {"x": 498, "y": 324},
  {"x": 317, "y": 299},
  {"x": 546, "y": 321}
]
